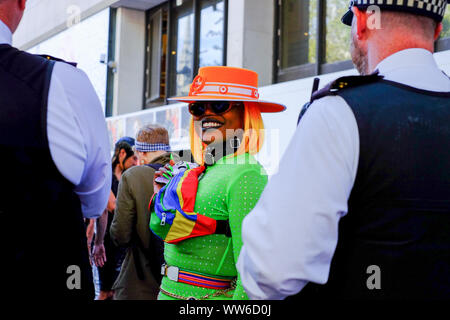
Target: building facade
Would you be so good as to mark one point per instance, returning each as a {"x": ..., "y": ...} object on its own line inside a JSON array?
[{"x": 138, "y": 53}]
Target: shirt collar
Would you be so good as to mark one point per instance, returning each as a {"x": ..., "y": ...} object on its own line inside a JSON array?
[
  {"x": 405, "y": 59},
  {"x": 5, "y": 34}
]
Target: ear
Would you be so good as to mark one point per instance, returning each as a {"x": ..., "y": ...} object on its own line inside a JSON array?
[
  {"x": 438, "y": 31},
  {"x": 361, "y": 23}
]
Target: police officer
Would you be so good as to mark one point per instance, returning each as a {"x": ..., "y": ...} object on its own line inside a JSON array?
[
  {"x": 360, "y": 207},
  {"x": 55, "y": 170}
]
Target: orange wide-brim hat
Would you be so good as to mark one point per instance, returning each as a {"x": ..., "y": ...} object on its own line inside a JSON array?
[{"x": 227, "y": 84}]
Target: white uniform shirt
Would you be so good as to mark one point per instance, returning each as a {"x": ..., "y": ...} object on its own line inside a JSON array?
[
  {"x": 291, "y": 235},
  {"x": 77, "y": 134}
]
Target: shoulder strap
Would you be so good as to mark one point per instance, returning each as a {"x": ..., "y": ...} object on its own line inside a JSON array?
[
  {"x": 337, "y": 85},
  {"x": 48, "y": 57}
]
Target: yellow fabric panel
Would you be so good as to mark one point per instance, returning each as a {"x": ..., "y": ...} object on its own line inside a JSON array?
[
  {"x": 180, "y": 196},
  {"x": 181, "y": 227}
]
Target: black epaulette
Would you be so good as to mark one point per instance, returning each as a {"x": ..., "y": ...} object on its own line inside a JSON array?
[
  {"x": 345, "y": 82},
  {"x": 335, "y": 86},
  {"x": 48, "y": 57}
]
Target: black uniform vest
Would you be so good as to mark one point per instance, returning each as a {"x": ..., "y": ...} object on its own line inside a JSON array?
[
  {"x": 43, "y": 239},
  {"x": 395, "y": 240}
]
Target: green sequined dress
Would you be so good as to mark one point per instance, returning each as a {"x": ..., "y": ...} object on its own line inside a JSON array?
[{"x": 229, "y": 189}]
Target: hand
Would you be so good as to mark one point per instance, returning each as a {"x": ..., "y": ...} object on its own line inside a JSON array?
[
  {"x": 163, "y": 171},
  {"x": 111, "y": 202},
  {"x": 99, "y": 255}
]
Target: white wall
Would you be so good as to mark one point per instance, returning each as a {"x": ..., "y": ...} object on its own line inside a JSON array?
[
  {"x": 44, "y": 18},
  {"x": 79, "y": 44},
  {"x": 47, "y": 20}
]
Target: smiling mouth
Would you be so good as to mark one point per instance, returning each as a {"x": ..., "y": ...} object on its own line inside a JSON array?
[{"x": 211, "y": 124}]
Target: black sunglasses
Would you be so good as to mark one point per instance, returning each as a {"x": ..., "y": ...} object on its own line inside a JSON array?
[{"x": 218, "y": 107}]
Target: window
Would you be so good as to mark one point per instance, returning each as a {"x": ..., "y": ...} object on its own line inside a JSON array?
[
  {"x": 182, "y": 47},
  {"x": 311, "y": 38},
  {"x": 444, "y": 40},
  {"x": 212, "y": 33},
  {"x": 337, "y": 33},
  {"x": 296, "y": 40},
  {"x": 446, "y": 23},
  {"x": 155, "y": 87},
  {"x": 298, "y": 33},
  {"x": 443, "y": 43},
  {"x": 182, "y": 35}
]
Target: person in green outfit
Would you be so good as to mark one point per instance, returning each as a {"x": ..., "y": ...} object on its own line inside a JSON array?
[{"x": 226, "y": 132}]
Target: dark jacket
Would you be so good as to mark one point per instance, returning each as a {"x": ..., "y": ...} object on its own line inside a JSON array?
[
  {"x": 130, "y": 228},
  {"x": 39, "y": 209},
  {"x": 394, "y": 242}
]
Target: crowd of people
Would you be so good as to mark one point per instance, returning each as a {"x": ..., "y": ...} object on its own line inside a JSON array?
[{"x": 363, "y": 186}]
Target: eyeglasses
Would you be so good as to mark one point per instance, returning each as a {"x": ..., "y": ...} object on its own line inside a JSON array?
[{"x": 218, "y": 107}]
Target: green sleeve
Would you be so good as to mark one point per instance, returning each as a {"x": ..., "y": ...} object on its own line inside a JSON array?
[
  {"x": 125, "y": 215},
  {"x": 243, "y": 194}
]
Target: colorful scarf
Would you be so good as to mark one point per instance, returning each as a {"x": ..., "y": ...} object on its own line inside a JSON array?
[{"x": 174, "y": 219}]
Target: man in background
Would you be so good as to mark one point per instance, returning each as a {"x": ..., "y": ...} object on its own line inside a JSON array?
[
  {"x": 56, "y": 170},
  {"x": 139, "y": 278},
  {"x": 106, "y": 255}
]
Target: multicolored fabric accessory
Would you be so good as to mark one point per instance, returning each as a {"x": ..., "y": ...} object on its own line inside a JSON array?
[
  {"x": 151, "y": 147},
  {"x": 173, "y": 218}
]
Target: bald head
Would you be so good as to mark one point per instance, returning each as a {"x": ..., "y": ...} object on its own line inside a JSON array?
[
  {"x": 396, "y": 31},
  {"x": 11, "y": 12}
]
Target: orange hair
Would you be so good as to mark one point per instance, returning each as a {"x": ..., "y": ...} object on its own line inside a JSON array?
[{"x": 251, "y": 142}]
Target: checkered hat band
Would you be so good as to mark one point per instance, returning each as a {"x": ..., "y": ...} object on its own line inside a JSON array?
[
  {"x": 432, "y": 8},
  {"x": 148, "y": 147}
]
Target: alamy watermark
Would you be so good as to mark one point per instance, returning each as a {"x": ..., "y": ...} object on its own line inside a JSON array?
[
  {"x": 374, "y": 280},
  {"x": 74, "y": 15},
  {"x": 374, "y": 20},
  {"x": 74, "y": 279}
]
